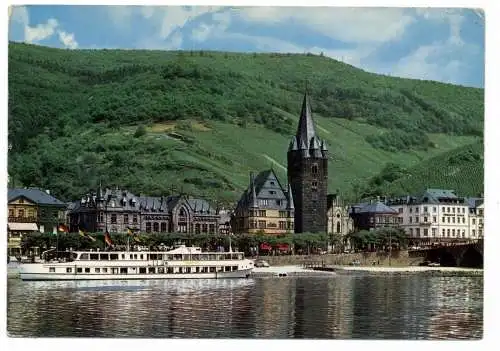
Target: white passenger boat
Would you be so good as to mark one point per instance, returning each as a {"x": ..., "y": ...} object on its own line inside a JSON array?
[{"x": 182, "y": 262}]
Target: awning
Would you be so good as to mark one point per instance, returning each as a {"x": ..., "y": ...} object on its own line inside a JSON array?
[
  {"x": 282, "y": 247},
  {"x": 265, "y": 246},
  {"x": 23, "y": 226}
]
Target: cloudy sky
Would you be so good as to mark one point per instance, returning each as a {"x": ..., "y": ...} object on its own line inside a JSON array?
[{"x": 436, "y": 44}]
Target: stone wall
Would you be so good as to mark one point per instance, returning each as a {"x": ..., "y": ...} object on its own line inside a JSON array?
[{"x": 398, "y": 259}]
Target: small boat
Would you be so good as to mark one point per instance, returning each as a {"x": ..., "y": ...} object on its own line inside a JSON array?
[{"x": 180, "y": 263}]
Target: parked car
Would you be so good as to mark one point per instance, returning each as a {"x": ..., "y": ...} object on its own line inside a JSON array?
[{"x": 261, "y": 263}]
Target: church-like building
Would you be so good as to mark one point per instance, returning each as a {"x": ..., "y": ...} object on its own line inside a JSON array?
[{"x": 300, "y": 206}]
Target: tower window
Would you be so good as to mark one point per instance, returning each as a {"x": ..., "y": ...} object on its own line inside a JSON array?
[
  {"x": 314, "y": 169},
  {"x": 314, "y": 186}
]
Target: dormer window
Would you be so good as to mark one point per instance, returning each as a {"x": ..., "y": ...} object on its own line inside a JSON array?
[
  {"x": 272, "y": 192},
  {"x": 272, "y": 183}
]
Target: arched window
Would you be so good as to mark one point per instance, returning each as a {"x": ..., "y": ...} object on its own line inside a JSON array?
[
  {"x": 314, "y": 169},
  {"x": 338, "y": 227},
  {"x": 148, "y": 227},
  {"x": 156, "y": 227},
  {"x": 163, "y": 227},
  {"x": 182, "y": 213}
]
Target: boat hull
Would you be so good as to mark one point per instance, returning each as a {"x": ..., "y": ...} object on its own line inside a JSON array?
[{"x": 244, "y": 273}]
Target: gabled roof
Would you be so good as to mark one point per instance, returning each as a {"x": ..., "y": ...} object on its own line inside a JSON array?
[
  {"x": 267, "y": 187},
  {"x": 35, "y": 195}
]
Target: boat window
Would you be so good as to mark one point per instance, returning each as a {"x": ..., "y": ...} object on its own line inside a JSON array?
[
  {"x": 240, "y": 256},
  {"x": 235, "y": 268},
  {"x": 141, "y": 256},
  {"x": 177, "y": 257},
  {"x": 212, "y": 269},
  {"x": 68, "y": 270},
  {"x": 105, "y": 270},
  {"x": 203, "y": 257},
  {"x": 87, "y": 270},
  {"x": 220, "y": 269},
  {"x": 161, "y": 270},
  {"x": 52, "y": 269},
  {"x": 197, "y": 269},
  {"x": 113, "y": 256},
  {"x": 187, "y": 270},
  {"x": 79, "y": 270},
  {"x": 84, "y": 256},
  {"x": 123, "y": 270},
  {"x": 104, "y": 256},
  {"x": 212, "y": 257},
  {"x": 142, "y": 270},
  {"x": 227, "y": 269},
  {"x": 98, "y": 270},
  {"x": 159, "y": 256},
  {"x": 170, "y": 257},
  {"x": 204, "y": 269},
  {"x": 152, "y": 257},
  {"x": 151, "y": 270},
  {"x": 123, "y": 256},
  {"x": 170, "y": 270},
  {"x": 114, "y": 270},
  {"x": 135, "y": 256},
  {"x": 195, "y": 257},
  {"x": 94, "y": 256}
]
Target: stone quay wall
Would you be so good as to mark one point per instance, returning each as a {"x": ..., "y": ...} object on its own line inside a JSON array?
[{"x": 398, "y": 259}]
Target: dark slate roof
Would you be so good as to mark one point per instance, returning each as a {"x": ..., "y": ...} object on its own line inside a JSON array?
[
  {"x": 36, "y": 195},
  {"x": 377, "y": 207},
  {"x": 201, "y": 206},
  {"x": 474, "y": 202},
  {"x": 305, "y": 130},
  {"x": 267, "y": 187}
]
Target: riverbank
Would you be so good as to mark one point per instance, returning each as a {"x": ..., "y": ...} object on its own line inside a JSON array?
[{"x": 433, "y": 271}]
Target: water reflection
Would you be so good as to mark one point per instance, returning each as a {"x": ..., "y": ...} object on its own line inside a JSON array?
[{"x": 344, "y": 307}]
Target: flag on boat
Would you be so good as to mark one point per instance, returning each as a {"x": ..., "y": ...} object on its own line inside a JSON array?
[
  {"x": 63, "y": 228},
  {"x": 107, "y": 239}
]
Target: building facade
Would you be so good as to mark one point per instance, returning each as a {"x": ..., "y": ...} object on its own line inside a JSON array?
[
  {"x": 339, "y": 221},
  {"x": 31, "y": 210},
  {"x": 265, "y": 207},
  {"x": 370, "y": 216},
  {"x": 308, "y": 174},
  {"x": 436, "y": 214},
  {"x": 116, "y": 210},
  {"x": 476, "y": 217}
]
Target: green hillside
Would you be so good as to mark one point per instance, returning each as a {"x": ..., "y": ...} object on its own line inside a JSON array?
[{"x": 200, "y": 121}]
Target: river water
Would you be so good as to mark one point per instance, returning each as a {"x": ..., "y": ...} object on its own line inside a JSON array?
[{"x": 340, "y": 307}]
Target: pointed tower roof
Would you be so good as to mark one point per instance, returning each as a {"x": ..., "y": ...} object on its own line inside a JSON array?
[
  {"x": 290, "y": 205},
  {"x": 305, "y": 131},
  {"x": 253, "y": 196},
  {"x": 293, "y": 144}
]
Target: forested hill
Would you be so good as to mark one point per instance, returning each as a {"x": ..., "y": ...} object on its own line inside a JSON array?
[{"x": 200, "y": 120}]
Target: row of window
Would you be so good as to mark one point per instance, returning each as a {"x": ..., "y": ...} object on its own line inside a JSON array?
[
  {"x": 434, "y": 209},
  {"x": 159, "y": 256},
  {"x": 263, "y": 213},
  {"x": 444, "y": 220},
  {"x": 283, "y": 225},
  {"x": 148, "y": 270},
  {"x": 444, "y": 233}
]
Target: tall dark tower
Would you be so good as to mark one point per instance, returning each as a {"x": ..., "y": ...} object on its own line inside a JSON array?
[{"x": 308, "y": 175}]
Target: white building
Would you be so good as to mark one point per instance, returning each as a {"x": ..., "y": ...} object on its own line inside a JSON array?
[
  {"x": 437, "y": 214},
  {"x": 338, "y": 220},
  {"x": 476, "y": 217}
]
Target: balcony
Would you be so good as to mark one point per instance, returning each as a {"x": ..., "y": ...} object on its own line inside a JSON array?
[
  {"x": 425, "y": 224},
  {"x": 22, "y": 219}
]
